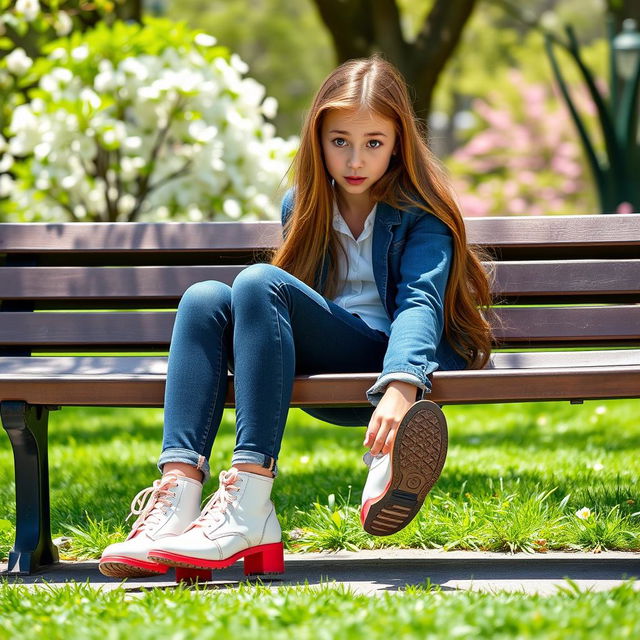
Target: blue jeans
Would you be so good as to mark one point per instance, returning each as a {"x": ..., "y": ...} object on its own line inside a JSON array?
[{"x": 266, "y": 328}]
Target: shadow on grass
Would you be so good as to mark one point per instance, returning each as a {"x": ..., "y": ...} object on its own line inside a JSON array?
[
  {"x": 100, "y": 425},
  {"x": 376, "y": 574},
  {"x": 548, "y": 440}
]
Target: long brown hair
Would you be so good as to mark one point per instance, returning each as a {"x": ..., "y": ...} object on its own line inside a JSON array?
[{"x": 414, "y": 178}]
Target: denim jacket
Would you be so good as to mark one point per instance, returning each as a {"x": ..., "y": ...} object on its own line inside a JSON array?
[{"x": 411, "y": 260}]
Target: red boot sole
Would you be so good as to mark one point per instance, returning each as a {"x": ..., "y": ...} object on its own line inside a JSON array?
[{"x": 263, "y": 559}]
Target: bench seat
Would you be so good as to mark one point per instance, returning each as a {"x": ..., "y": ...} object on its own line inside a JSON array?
[{"x": 135, "y": 381}]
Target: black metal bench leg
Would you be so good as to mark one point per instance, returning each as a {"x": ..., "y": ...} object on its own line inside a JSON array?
[{"x": 27, "y": 428}]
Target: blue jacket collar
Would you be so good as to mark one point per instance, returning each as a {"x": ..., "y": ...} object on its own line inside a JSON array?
[{"x": 387, "y": 215}]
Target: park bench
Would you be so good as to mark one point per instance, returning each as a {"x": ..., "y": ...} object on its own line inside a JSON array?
[{"x": 567, "y": 322}]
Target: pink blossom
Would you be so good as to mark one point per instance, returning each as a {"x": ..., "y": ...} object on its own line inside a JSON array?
[
  {"x": 527, "y": 177},
  {"x": 475, "y": 206},
  {"x": 571, "y": 186},
  {"x": 487, "y": 188},
  {"x": 497, "y": 119},
  {"x": 486, "y": 164},
  {"x": 556, "y": 205},
  {"x": 510, "y": 189},
  {"x": 566, "y": 167},
  {"x": 625, "y": 207},
  {"x": 548, "y": 193},
  {"x": 567, "y": 149},
  {"x": 482, "y": 143},
  {"x": 526, "y": 161},
  {"x": 518, "y": 206}
]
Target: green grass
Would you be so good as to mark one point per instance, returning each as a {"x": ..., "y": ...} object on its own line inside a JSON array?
[
  {"x": 514, "y": 479},
  {"x": 324, "y": 613}
]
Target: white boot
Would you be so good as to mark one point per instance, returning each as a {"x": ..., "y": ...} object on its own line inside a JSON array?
[
  {"x": 172, "y": 503},
  {"x": 238, "y": 522}
]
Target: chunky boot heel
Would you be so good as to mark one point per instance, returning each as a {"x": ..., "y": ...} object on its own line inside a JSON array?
[
  {"x": 270, "y": 559},
  {"x": 193, "y": 575}
]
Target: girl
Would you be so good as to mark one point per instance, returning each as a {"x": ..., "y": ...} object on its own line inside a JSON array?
[{"x": 374, "y": 274}]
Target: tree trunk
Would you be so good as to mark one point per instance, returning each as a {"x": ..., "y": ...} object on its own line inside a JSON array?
[
  {"x": 129, "y": 10},
  {"x": 360, "y": 28}
]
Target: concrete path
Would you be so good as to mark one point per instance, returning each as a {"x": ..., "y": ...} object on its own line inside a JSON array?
[{"x": 373, "y": 572}]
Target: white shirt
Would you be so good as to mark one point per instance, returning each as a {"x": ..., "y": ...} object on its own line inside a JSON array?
[{"x": 358, "y": 293}]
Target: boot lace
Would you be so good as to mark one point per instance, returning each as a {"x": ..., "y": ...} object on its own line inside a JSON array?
[
  {"x": 151, "y": 504},
  {"x": 217, "y": 505}
]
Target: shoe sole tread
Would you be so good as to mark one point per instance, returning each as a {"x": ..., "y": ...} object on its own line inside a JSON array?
[
  {"x": 418, "y": 456},
  {"x": 123, "y": 570}
]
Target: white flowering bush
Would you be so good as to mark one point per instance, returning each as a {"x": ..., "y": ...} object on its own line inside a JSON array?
[
  {"x": 22, "y": 15},
  {"x": 131, "y": 122}
]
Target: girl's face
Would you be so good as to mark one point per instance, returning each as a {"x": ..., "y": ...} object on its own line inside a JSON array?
[{"x": 357, "y": 148}]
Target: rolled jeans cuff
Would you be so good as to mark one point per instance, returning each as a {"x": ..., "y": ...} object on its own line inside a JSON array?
[
  {"x": 188, "y": 457},
  {"x": 243, "y": 456}
]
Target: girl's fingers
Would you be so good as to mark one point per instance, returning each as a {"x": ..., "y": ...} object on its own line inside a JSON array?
[
  {"x": 380, "y": 439},
  {"x": 388, "y": 443},
  {"x": 372, "y": 431}
]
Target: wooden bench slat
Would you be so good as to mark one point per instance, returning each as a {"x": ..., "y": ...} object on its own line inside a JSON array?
[
  {"x": 91, "y": 329},
  {"x": 567, "y": 278},
  {"x": 106, "y": 283},
  {"x": 503, "y": 233},
  {"x": 127, "y": 237},
  {"x": 546, "y": 231},
  {"x": 567, "y": 324},
  {"x": 599, "y": 278},
  {"x": 514, "y": 325},
  {"x": 449, "y": 387},
  {"x": 32, "y": 367}
]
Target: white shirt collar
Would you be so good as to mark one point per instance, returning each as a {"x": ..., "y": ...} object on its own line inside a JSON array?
[{"x": 341, "y": 226}]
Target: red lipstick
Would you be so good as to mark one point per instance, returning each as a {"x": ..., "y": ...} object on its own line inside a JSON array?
[{"x": 354, "y": 180}]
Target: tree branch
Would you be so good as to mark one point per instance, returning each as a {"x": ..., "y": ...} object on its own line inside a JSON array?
[
  {"x": 64, "y": 205},
  {"x": 435, "y": 44},
  {"x": 143, "y": 181},
  {"x": 443, "y": 26},
  {"x": 514, "y": 12},
  {"x": 176, "y": 174}
]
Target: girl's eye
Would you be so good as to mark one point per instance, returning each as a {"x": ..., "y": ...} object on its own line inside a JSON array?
[
  {"x": 340, "y": 142},
  {"x": 375, "y": 144}
]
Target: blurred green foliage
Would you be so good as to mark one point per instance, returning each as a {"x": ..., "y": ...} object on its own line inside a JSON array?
[
  {"x": 284, "y": 43},
  {"x": 289, "y": 49}
]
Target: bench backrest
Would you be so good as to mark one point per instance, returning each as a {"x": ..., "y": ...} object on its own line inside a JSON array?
[{"x": 560, "y": 281}]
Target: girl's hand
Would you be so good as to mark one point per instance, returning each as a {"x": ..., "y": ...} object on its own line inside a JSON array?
[{"x": 395, "y": 402}]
